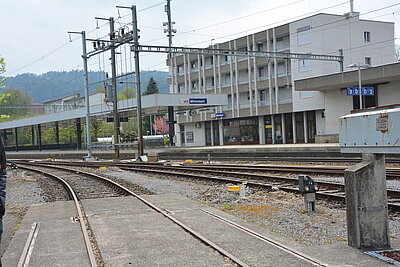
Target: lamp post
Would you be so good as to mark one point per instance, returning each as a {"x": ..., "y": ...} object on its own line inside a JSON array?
[{"x": 359, "y": 66}]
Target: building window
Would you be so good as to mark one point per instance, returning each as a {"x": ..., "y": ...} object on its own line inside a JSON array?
[
  {"x": 304, "y": 65},
  {"x": 189, "y": 137},
  {"x": 181, "y": 88},
  {"x": 180, "y": 68},
  {"x": 306, "y": 94},
  {"x": 303, "y": 35},
  {"x": 261, "y": 71},
  {"x": 367, "y": 37},
  {"x": 260, "y": 47},
  {"x": 193, "y": 65},
  {"x": 194, "y": 86},
  {"x": 368, "y": 61}
]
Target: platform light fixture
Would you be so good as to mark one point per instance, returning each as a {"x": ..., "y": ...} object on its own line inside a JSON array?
[{"x": 359, "y": 66}]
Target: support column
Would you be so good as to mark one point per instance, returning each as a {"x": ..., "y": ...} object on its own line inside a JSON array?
[
  {"x": 305, "y": 127},
  {"x": 294, "y": 128},
  {"x": 221, "y": 133},
  {"x": 171, "y": 125},
  {"x": 16, "y": 139},
  {"x": 78, "y": 134},
  {"x": 366, "y": 203},
  {"x": 283, "y": 127},
  {"x": 33, "y": 135},
  {"x": 212, "y": 132},
  {"x": 273, "y": 128},
  {"x": 261, "y": 129},
  {"x": 57, "y": 135},
  {"x": 39, "y": 137}
]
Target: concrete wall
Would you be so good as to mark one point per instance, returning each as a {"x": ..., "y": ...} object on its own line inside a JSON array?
[
  {"x": 337, "y": 105},
  {"x": 389, "y": 93},
  {"x": 198, "y": 134}
]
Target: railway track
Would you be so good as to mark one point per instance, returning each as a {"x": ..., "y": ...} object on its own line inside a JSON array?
[
  {"x": 216, "y": 157},
  {"x": 391, "y": 173},
  {"x": 252, "y": 175},
  {"x": 83, "y": 185}
]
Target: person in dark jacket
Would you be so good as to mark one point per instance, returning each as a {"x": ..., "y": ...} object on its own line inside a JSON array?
[{"x": 3, "y": 180}]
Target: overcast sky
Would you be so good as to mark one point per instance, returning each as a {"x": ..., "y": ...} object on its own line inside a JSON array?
[{"x": 33, "y": 33}]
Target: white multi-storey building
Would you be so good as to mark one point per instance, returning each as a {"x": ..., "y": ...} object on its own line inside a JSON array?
[{"x": 263, "y": 104}]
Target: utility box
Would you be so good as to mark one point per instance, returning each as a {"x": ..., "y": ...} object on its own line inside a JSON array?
[{"x": 373, "y": 131}]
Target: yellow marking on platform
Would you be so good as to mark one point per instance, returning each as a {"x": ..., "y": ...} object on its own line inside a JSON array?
[
  {"x": 234, "y": 188},
  {"x": 188, "y": 160},
  {"x": 102, "y": 168}
]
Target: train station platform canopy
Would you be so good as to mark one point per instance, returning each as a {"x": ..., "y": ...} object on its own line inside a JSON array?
[
  {"x": 374, "y": 75},
  {"x": 151, "y": 104}
]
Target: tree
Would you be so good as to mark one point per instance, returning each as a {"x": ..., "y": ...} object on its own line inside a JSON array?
[
  {"x": 14, "y": 103},
  {"x": 99, "y": 89},
  {"x": 96, "y": 127},
  {"x": 397, "y": 52},
  {"x": 160, "y": 127},
  {"x": 126, "y": 93},
  {"x": 152, "y": 87},
  {"x": 2, "y": 70}
]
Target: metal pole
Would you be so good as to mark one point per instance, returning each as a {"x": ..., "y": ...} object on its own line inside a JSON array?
[
  {"x": 115, "y": 98},
  {"x": 86, "y": 83},
  {"x": 169, "y": 28},
  {"x": 171, "y": 126},
  {"x": 138, "y": 91},
  {"x": 359, "y": 85}
]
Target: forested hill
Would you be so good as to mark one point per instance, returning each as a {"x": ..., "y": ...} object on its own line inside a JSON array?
[{"x": 56, "y": 84}]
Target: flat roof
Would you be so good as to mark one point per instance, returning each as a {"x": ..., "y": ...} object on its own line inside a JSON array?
[
  {"x": 151, "y": 104},
  {"x": 374, "y": 75}
]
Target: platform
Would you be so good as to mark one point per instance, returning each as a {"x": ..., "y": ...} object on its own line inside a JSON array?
[
  {"x": 128, "y": 233},
  {"x": 276, "y": 150},
  {"x": 59, "y": 240}
]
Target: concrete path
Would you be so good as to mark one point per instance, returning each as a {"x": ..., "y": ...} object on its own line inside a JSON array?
[{"x": 59, "y": 241}]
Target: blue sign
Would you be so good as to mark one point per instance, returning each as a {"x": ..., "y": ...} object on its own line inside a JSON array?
[
  {"x": 368, "y": 90},
  {"x": 197, "y": 100},
  {"x": 218, "y": 115}
]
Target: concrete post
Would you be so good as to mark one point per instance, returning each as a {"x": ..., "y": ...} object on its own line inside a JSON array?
[
  {"x": 39, "y": 137},
  {"x": 16, "y": 138},
  {"x": 57, "y": 135},
  {"x": 366, "y": 203},
  {"x": 221, "y": 133},
  {"x": 294, "y": 128},
  {"x": 305, "y": 126},
  {"x": 261, "y": 129}
]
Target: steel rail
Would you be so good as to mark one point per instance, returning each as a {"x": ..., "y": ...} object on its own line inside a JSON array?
[
  {"x": 84, "y": 227},
  {"x": 329, "y": 190},
  {"x": 270, "y": 241},
  {"x": 176, "y": 221}
]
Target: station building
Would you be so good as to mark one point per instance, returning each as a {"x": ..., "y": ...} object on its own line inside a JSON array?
[
  {"x": 384, "y": 79},
  {"x": 264, "y": 105}
]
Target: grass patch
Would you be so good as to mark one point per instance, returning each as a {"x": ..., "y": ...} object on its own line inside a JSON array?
[
  {"x": 227, "y": 207},
  {"x": 16, "y": 228}
]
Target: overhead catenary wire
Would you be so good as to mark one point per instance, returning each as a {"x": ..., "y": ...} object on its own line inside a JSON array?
[{"x": 68, "y": 43}]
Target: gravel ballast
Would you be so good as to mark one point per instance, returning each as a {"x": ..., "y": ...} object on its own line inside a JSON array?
[{"x": 278, "y": 211}]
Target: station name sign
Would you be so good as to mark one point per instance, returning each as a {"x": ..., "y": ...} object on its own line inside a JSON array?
[
  {"x": 218, "y": 115},
  {"x": 194, "y": 101},
  {"x": 367, "y": 90}
]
